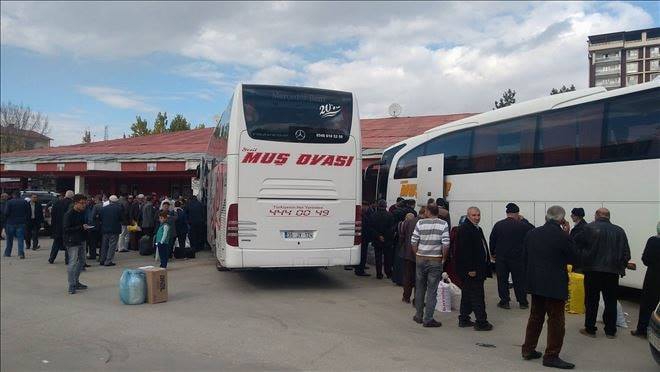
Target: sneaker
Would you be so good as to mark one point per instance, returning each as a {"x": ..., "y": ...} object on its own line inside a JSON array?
[
  {"x": 37, "y": 248},
  {"x": 504, "y": 305},
  {"x": 81, "y": 286},
  {"x": 465, "y": 323},
  {"x": 432, "y": 324},
  {"x": 558, "y": 363},
  {"x": 587, "y": 333},
  {"x": 417, "y": 319},
  {"x": 533, "y": 355},
  {"x": 524, "y": 306},
  {"x": 483, "y": 327}
]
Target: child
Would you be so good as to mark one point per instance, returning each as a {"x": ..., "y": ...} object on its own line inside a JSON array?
[{"x": 163, "y": 238}]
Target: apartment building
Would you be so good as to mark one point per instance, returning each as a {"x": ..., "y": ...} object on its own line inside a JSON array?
[{"x": 622, "y": 59}]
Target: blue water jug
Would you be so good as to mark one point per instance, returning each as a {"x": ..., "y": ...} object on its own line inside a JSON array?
[{"x": 132, "y": 287}]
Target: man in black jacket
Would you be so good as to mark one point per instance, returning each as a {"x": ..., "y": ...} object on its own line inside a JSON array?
[
  {"x": 546, "y": 252},
  {"x": 506, "y": 241},
  {"x": 16, "y": 216},
  {"x": 35, "y": 219},
  {"x": 605, "y": 257},
  {"x": 195, "y": 214},
  {"x": 73, "y": 230},
  {"x": 111, "y": 217},
  {"x": 472, "y": 265},
  {"x": 382, "y": 235},
  {"x": 57, "y": 219},
  {"x": 651, "y": 287},
  {"x": 577, "y": 215}
]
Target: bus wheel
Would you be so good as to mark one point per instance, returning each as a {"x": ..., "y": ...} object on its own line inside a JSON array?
[{"x": 219, "y": 266}]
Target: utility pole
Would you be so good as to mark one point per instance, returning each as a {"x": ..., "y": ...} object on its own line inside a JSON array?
[{"x": 105, "y": 133}]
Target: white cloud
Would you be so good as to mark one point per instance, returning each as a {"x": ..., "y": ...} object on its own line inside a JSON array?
[
  {"x": 67, "y": 128},
  {"x": 117, "y": 98},
  {"x": 431, "y": 57}
]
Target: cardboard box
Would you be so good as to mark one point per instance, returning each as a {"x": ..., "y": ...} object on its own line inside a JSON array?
[{"x": 156, "y": 284}]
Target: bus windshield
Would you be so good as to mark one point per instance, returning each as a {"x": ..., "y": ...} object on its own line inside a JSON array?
[{"x": 290, "y": 114}]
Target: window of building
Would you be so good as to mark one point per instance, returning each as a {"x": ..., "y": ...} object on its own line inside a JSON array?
[
  {"x": 608, "y": 68},
  {"x": 456, "y": 147},
  {"x": 604, "y": 56},
  {"x": 653, "y": 76},
  {"x": 632, "y": 54},
  {"x": 654, "y": 65},
  {"x": 608, "y": 82},
  {"x": 632, "y": 67},
  {"x": 506, "y": 145},
  {"x": 633, "y": 127},
  {"x": 655, "y": 51},
  {"x": 632, "y": 80}
]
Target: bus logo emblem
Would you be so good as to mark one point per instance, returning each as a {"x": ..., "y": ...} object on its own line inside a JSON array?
[{"x": 300, "y": 134}]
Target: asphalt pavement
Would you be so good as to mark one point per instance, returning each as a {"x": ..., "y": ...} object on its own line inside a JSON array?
[{"x": 320, "y": 319}]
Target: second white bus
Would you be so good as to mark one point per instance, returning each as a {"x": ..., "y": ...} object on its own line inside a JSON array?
[{"x": 590, "y": 148}]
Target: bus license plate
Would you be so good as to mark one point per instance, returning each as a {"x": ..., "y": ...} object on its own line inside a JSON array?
[{"x": 298, "y": 235}]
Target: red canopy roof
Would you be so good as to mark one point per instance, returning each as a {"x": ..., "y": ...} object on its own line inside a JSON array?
[{"x": 384, "y": 132}]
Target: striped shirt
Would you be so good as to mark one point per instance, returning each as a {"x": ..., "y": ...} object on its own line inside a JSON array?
[{"x": 430, "y": 235}]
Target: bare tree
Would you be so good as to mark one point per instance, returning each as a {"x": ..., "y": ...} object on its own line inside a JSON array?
[{"x": 15, "y": 120}]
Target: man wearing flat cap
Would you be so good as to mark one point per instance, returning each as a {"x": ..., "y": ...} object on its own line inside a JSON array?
[
  {"x": 577, "y": 215},
  {"x": 506, "y": 244}
]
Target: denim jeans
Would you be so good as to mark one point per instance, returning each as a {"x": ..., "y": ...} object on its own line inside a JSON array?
[
  {"x": 18, "y": 232},
  {"x": 163, "y": 254},
  {"x": 428, "y": 274},
  {"x": 76, "y": 263}
]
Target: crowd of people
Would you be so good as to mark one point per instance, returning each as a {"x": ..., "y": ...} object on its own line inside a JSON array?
[
  {"x": 94, "y": 228},
  {"x": 414, "y": 248}
]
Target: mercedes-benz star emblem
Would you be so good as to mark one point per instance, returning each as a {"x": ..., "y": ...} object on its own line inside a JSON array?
[{"x": 300, "y": 134}]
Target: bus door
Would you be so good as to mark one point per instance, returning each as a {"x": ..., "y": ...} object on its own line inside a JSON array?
[{"x": 430, "y": 177}]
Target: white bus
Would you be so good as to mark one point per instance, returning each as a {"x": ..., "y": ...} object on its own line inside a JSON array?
[
  {"x": 283, "y": 186},
  {"x": 590, "y": 148}
]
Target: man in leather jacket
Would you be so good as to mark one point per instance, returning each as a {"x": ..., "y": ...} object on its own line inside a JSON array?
[{"x": 605, "y": 255}]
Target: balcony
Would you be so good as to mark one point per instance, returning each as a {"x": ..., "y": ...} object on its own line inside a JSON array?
[{"x": 616, "y": 58}]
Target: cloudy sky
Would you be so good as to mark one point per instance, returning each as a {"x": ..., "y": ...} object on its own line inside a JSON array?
[{"x": 87, "y": 65}]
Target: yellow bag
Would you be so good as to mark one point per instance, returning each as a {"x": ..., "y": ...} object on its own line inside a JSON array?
[
  {"x": 575, "y": 302},
  {"x": 134, "y": 228}
]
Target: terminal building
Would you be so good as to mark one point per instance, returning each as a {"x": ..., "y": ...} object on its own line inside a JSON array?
[{"x": 167, "y": 163}]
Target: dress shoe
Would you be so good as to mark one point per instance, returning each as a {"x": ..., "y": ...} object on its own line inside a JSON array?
[
  {"x": 347, "y": 268},
  {"x": 406, "y": 300},
  {"x": 417, "y": 319},
  {"x": 533, "y": 355},
  {"x": 524, "y": 306},
  {"x": 465, "y": 323},
  {"x": 110, "y": 264},
  {"x": 379, "y": 276},
  {"x": 88, "y": 265},
  {"x": 36, "y": 248},
  {"x": 432, "y": 324},
  {"x": 51, "y": 261},
  {"x": 587, "y": 333},
  {"x": 558, "y": 363},
  {"x": 22, "y": 257},
  {"x": 483, "y": 327},
  {"x": 362, "y": 273},
  {"x": 504, "y": 305},
  {"x": 639, "y": 334},
  {"x": 72, "y": 290},
  {"x": 611, "y": 337},
  {"x": 81, "y": 286}
]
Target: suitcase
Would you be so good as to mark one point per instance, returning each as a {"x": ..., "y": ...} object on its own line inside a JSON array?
[
  {"x": 146, "y": 246},
  {"x": 179, "y": 252}
]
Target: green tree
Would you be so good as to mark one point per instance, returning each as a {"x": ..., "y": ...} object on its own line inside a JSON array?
[
  {"x": 140, "y": 127},
  {"x": 200, "y": 126},
  {"x": 179, "y": 123},
  {"x": 87, "y": 136},
  {"x": 508, "y": 99},
  {"x": 160, "y": 124},
  {"x": 563, "y": 89}
]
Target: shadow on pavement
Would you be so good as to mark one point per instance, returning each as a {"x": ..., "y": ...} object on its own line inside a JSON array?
[{"x": 291, "y": 279}]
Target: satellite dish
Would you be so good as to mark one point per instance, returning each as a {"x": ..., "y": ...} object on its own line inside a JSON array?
[{"x": 395, "y": 110}]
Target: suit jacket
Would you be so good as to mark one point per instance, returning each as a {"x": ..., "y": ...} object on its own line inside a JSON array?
[
  {"x": 546, "y": 252},
  {"x": 57, "y": 216},
  {"x": 38, "y": 214},
  {"x": 472, "y": 252}
]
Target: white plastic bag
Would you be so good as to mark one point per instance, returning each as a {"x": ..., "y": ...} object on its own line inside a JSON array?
[
  {"x": 455, "y": 296},
  {"x": 621, "y": 321},
  {"x": 444, "y": 298}
]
